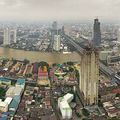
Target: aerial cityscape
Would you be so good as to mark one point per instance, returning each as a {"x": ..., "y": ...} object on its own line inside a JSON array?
[{"x": 58, "y": 61}]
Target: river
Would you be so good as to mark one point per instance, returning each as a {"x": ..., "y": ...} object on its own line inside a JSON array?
[{"x": 34, "y": 56}]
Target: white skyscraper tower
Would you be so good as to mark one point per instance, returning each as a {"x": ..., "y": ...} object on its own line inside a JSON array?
[
  {"x": 118, "y": 35},
  {"x": 6, "y": 40},
  {"x": 56, "y": 46}
]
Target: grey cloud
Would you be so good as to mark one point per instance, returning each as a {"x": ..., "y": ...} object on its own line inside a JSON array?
[
  {"x": 9, "y": 2},
  {"x": 59, "y": 9}
]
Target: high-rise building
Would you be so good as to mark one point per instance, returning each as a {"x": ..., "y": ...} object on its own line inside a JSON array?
[
  {"x": 54, "y": 32},
  {"x": 13, "y": 36},
  {"x": 89, "y": 76},
  {"x": 96, "y": 33},
  {"x": 6, "y": 40},
  {"x": 9, "y": 36},
  {"x": 63, "y": 29},
  {"x": 56, "y": 45},
  {"x": 54, "y": 25},
  {"x": 118, "y": 35}
]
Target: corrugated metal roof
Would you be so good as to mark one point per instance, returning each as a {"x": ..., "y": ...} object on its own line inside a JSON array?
[
  {"x": 5, "y": 79},
  {"x": 14, "y": 104},
  {"x": 20, "y": 81},
  {"x": 3, "y": 118}
]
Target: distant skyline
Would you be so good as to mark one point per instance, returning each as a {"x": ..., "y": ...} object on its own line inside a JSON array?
[{"x": 60, "y": 10}]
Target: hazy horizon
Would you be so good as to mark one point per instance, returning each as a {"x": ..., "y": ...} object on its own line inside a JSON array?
[{"x": 60, "y": 10}]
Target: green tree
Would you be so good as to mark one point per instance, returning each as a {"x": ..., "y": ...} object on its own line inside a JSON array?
[
  {"x": 26, "y": 61},
  {"x": 85, "y": 112},
  {"x": 100, "y": 104},
  {"x": 114, "y": 118},
  {"x": 70, "y": 63}
]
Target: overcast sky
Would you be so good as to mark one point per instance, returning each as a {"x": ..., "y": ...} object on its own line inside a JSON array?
[{"x": 59, "y": 9}]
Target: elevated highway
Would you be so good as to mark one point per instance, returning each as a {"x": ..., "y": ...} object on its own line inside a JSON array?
[{"x": 71, "y": 41}]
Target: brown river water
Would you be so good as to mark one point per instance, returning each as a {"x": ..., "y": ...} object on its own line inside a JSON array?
[{"x": 34, "y": 56}]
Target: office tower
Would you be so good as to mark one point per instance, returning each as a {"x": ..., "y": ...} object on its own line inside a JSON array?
[
  {"x": 118, "y": 35},
  {"x": 53, "y": 33},
  {"x": 96, "y": 33},
  {"x": 6, "y": 40},
  {"x": 63, "y": 29},
  {"x": 56, "y": 45},
  {"x": 54, "y": 25},
  {"x": 13, "y": 36},
  {"x": 89, "y": 76},
  {"x": 15, "y": 32}
]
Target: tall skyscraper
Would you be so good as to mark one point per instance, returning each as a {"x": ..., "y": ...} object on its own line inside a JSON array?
[
  {"x": 63, "y": 29},
  {"x": 96, "y": 33},
  {"x": 13, "y": 36},
  {"x": 118, "y": 35},
  {"x": 56, "y": 45},
  {"x": 9, "y": 36},
  {"x": 89, "y": 76},
  {"x": 6, "y": 40},
  {"x": 54, "y": 26}
]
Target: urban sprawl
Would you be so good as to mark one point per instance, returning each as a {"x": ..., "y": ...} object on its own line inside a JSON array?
[{"x": 84, "y": 89}]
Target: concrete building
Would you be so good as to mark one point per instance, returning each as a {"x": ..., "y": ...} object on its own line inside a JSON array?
[
  {"x": 9, "y": 36},
  {"x": 63, "y": 105},
  {"x": 89, "y": 76},
  {"x": 8, "y": 100},
  {"x": 12, "y": 91},
  {"x": 5, "y": 81},
  {"x": 56, "y": 46},
  {"x": 68, "y": 97},
  {"x": 14, "y": 104},
  {"x": 66, "y": 110},
  {"x": 104, "y": 54},
  {"x": 6, "y": 40},
  {"x": 3, "y": 106},
  {"x": 20, "y": 83},
  {"x": 54, "y": 25},
  {"x": 13, "y": 36},
  {"x": 118, "y": 35},
  {"x": 96, "y": 33},
  {"x": 112, "y": 109}
]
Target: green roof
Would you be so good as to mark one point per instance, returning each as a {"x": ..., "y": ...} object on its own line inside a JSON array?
[
  {"x": 20, "y": 81},
  {"x": 14, "y": 104},
  {"x": 2, "y": 79}
]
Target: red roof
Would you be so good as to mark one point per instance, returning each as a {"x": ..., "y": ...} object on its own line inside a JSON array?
[{"x": 116, "y": 91}]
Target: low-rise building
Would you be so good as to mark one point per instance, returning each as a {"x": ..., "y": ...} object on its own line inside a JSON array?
[
  {"x": 3, "y": 106},
  {"x": 5, "y": 81},
  {"x": 12, "y": 91},
  {"x": 20, "y": 83},
  {"x": 111, "y": 109},
  {"x": 14, "y": 104},
  {"x": 63, "y": 104},
  {"x": 65, "y": 109}
]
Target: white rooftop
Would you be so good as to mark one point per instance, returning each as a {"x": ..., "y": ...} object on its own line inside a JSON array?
[
  {"x": 68, "y": 97},
  {"x": 64, "y": 105},
  {"x": 6, "y": 69},
  {"x": 8, "y": 100},
  {"x": 3, "y": 104}
]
